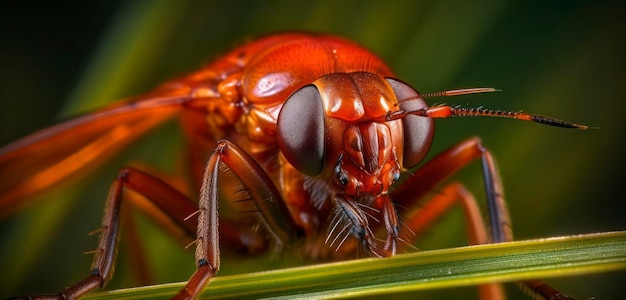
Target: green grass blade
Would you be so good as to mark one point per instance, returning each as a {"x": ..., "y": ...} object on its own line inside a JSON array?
[{"x": 514, "y": 261}]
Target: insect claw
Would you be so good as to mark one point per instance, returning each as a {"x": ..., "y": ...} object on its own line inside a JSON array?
[{"x": 374, "y": 250}]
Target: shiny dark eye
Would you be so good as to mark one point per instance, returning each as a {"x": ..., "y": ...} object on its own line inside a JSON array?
[
  {"x": 300, "y": 130},
  {"x": 418, "y": 131}
]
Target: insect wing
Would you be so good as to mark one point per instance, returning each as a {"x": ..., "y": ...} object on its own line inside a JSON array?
[{"x": 38, "y": 162}]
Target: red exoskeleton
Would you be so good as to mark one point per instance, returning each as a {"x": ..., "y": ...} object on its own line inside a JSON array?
[{"x": 318, "y": 132}]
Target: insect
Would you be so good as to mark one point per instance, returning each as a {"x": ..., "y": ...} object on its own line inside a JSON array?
[{"x": 320, "y": 137}]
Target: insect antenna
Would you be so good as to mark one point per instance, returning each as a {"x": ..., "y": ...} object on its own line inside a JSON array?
[
  {"x": 445, "y": 111},
  {"x": 459, "y": 92}
]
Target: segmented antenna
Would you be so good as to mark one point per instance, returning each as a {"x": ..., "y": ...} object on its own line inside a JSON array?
[
  {"x": 445, "y": 111},
  {"x": 459, "y": 92},
  {"x": 481, "y": 112}
]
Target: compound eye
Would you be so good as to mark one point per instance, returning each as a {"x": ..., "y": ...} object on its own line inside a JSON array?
[
  {"x": 418, "y": 131},
  {"x": 300, "y": 130}
]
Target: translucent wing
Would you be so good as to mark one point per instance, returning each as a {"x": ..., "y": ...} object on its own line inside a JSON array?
[{"x": 40, "y": 161}]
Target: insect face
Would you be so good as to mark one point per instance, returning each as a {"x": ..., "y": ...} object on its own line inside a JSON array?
[{"x": 338, "y": 123}]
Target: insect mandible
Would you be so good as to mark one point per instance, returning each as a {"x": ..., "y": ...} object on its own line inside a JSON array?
[{"x": 316, "y": 129}]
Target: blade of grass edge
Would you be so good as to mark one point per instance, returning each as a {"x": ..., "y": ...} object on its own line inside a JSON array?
[{"x": 471, "y": 265}]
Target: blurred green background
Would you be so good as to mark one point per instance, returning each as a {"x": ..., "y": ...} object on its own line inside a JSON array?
[{"x": 565, "y": 59}]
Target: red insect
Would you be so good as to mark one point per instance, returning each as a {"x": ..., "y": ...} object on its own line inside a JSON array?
[{"x": 317, "y": 131}]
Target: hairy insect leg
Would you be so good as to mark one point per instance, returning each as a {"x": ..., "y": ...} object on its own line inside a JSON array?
[
  {"x": 239, "y": 239},
  {"x": 449, "y": 162},
  {"x": 392, "y": 225},
  {"x": 153, "y": 196},
  {"x": 355, "y": 219},
  {"x": 264, "y": 195}
]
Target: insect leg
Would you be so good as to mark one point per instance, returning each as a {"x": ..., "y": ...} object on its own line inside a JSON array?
[
  {"x": 449, "y": 162},
  {"x": 390, "y": 218},
  {"x": 356, "y": 219},
  {"x": 453, "y": 193},
  {"x": 427, "y": 213},
  {"x": 446, "y": 164},
  {"x": 264, "y": 195},
  {"x": 159, "y": 200}
]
